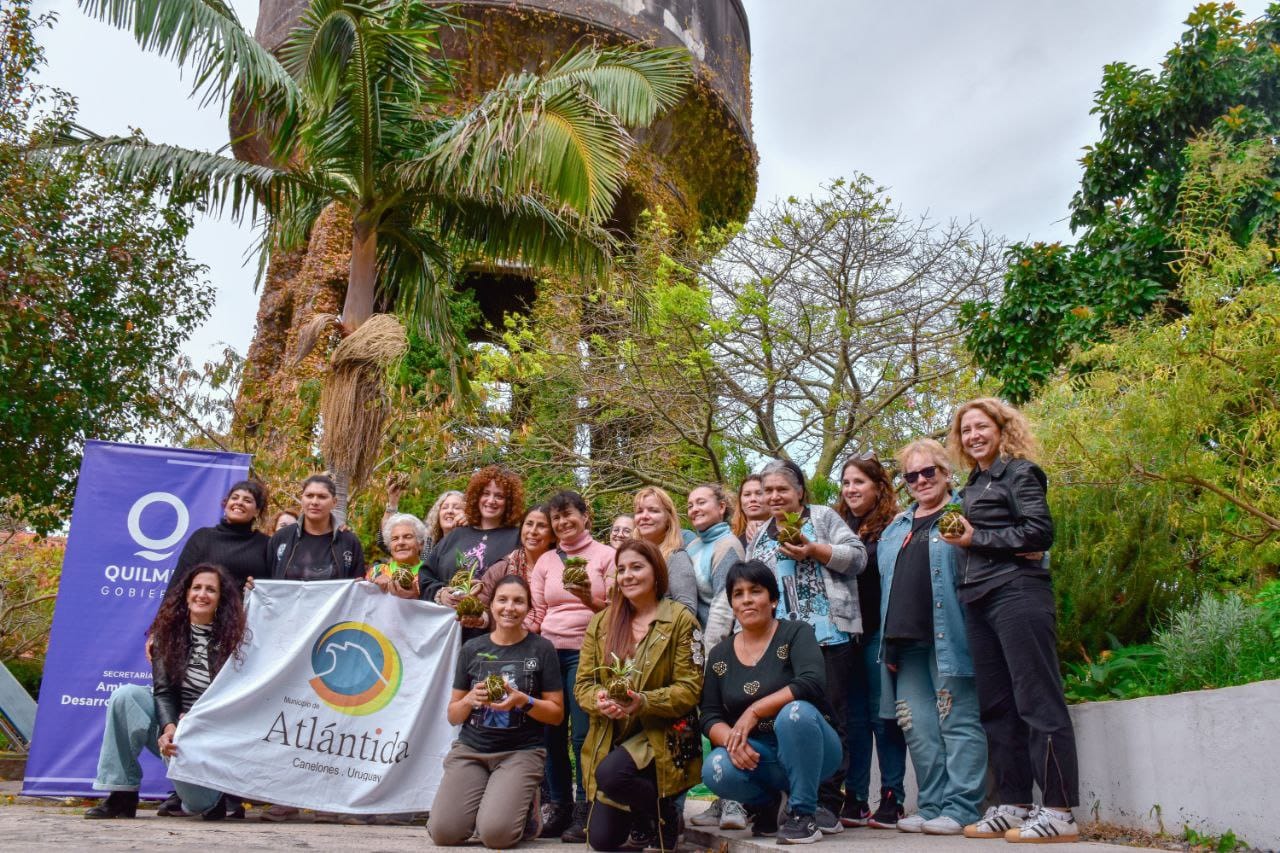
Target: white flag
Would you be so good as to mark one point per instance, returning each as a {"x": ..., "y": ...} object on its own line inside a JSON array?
[{"x": 339, "y": 705}]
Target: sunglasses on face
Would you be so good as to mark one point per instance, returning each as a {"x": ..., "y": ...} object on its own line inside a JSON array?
[{"x": 928, "y": 473}]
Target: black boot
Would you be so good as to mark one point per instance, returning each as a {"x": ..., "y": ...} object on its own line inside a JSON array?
[
  {"x": 117, "y": 804},
  {"x": 217, "y": 811},
  {"x": 577, "y": 831},
  {"x": 764, "y": 819},
  {"x": 171, "y": 807},
  {"x": 668, "y": 825},
  {"x": 555, "y": 818}
]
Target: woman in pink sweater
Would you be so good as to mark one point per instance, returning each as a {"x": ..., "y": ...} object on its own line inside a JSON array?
[{"x": 561, "y": 615}]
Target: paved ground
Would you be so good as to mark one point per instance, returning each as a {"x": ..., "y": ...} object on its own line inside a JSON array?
[{"x": 26, "y": 825}]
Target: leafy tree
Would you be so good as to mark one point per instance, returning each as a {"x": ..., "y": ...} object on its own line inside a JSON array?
[
  {"x": 96, "y": 288},
  {"x": 825, "y": 324},
  {"x": 1164, "y": 449},
  {"x": 1223, "y": 74},
  {"x": 356, "y": 114}
]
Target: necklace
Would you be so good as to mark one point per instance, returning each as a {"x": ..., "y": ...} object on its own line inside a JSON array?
[{"x": 750, "y": 656}]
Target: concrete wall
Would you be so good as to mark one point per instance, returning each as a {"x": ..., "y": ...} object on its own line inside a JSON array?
[{"x": 1209, "y": 760}]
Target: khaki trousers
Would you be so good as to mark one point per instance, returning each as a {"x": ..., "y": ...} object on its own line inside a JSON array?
[{"x": 488, "y": 793}]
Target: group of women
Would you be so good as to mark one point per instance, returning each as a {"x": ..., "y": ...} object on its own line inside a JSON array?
[{"x": 793, "y": 637}]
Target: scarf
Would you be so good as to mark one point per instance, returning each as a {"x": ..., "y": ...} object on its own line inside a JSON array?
[{"x": 703, "y": 549}]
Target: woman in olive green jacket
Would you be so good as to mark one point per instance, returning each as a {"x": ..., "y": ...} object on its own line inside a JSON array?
[{"x": 643, "y": 748}]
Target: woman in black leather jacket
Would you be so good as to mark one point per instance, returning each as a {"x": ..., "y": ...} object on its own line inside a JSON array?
[
  {"x": 1010, "y": 620},
  {"x": 199, "y": 627}
]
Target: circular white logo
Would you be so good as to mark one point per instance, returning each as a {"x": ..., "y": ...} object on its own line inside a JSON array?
[{"x": 152, "y": 547}]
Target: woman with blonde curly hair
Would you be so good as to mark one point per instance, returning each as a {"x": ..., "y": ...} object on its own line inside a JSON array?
[
  {"x": 656, "y": 522},
  {"x": 1010, "y": 620},
  {"x": 494, "y": 506},
  {"x": 445, "y": 514}
]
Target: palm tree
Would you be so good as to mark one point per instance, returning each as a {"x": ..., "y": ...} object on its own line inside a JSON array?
[{"x": 353, "y": 114}]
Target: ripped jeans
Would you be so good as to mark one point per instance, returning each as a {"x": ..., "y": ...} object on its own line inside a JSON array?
[
  {"x": 802, "y": 751},
  {"x": 939, "y": 716}
]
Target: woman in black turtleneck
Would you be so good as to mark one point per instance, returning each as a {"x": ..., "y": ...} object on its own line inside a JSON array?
[{"x": 232, "y": 543}]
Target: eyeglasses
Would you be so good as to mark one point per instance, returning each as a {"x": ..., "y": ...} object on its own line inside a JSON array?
[
  {"x": 869, "y": 456},
  {"x": 928, "y": 473}
]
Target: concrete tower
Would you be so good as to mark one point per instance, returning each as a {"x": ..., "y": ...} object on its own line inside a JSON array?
[{"x": 698, "y": 162}]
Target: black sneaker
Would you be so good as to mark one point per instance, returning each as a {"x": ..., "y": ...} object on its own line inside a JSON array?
[
  {"x": 799, "y": 829},
  {"x": 855, "y": 812},
  {"x": 555, "y": 819},
  {"x": 828, "y": 823},
  {"x": 577, "y": 831},
  {"x": 888, "y": 812},
  {"x": 764, "y": 819}
]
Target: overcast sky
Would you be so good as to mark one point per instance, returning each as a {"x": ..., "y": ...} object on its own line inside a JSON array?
[{"x": 963, "y": 109}]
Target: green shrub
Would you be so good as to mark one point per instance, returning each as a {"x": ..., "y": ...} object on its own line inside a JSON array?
[
  {"x": 1219, "y": 641},
  {"x": 28, "y": 673},
  {"x": 1215, "y": 643}
]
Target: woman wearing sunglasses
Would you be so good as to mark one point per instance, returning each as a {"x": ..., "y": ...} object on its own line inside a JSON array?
[
  {"x": 1011, "y": 622},
  {"x": 926, "y": 671}
]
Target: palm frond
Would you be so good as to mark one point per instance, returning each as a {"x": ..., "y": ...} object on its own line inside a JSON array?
[
  {"x": 524, "y": 229},
  {"x": 206, "y": 36},
  {"x": 634, "y": 85},
  {"x": 518, "y": 141},
  {"x": 219, "y": 183}
]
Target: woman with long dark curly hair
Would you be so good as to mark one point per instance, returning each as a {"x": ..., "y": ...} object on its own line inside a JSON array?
[
  {"x": 494, "y": 503},
  {"x": 199, "y": 627},
  {"x": 867, "y": 503}
]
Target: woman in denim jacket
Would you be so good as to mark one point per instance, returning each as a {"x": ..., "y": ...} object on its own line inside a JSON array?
[{"x": 926, "y": 669}]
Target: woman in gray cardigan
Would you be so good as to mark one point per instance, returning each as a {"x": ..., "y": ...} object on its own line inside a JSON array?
[{"x": 817, "y": 567}]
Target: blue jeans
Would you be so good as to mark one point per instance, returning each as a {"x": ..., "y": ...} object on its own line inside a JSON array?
[
  {"x": 866, "y": 724},
  {"x": 132, "y": 727},
  {"x": 559, "y": 779},
  {"x": 939, "y": 716},
  {"x": 803, "y": 750}
]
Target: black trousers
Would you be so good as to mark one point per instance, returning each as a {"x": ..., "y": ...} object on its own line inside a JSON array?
[
  {"x": 839, "y": 665},
  {"x": 1013, "y": 638},
  {"x": 620, "y": 780}
]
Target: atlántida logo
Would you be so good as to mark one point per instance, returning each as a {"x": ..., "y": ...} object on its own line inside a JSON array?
[{"x": 357, "y": 669}]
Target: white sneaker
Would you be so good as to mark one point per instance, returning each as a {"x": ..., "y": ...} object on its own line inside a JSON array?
[
  {"x": 911, "y": 823},
  {"x": 710, "y": 816},
  {"x": 1045, "y": 826},
  {"x": 942, "y": 825},
  {"x": 996, "y": 822},
  {"x": 732, "y": 815}
]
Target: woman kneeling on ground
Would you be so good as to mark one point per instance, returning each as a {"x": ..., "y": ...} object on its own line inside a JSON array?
[
  {"x": 506, "y": 690},
  {"x": 765, "y": 712},
  {"x": 642, "y": 747},
  {"x": 199, "y": 627}
]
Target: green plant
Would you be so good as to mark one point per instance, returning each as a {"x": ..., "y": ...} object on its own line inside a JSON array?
[
  {"x": 1217, "y": 642},
  {"x": 1225, "y": 843},
  {"x": 1122, "y": 672},
  {"x": 29, "y": 672}
]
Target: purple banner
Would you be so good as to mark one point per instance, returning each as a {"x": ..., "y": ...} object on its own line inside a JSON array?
[{"x": 135, "y": 508}]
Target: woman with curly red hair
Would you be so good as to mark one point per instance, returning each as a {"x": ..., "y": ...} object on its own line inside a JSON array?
[{"x": 494, "y": 502}]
